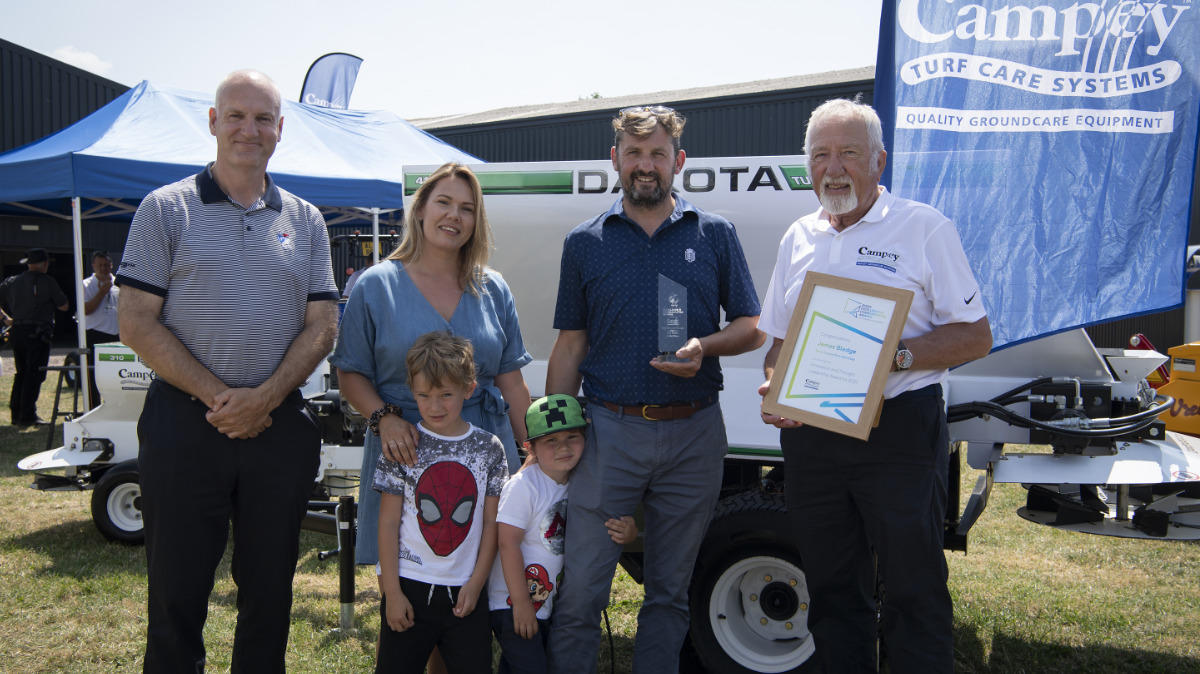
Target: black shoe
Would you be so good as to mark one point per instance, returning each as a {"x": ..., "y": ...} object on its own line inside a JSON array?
[{"x": 36, "y": 421}]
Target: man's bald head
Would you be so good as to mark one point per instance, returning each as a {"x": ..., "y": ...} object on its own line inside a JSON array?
[{"x": 248, "y": 77}]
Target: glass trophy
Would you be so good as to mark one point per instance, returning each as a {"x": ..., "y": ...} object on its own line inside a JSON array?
[{"x": 672, "y": 318}]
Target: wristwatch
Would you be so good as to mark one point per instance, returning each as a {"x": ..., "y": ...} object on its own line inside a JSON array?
[{"x": 904, "y": 357}]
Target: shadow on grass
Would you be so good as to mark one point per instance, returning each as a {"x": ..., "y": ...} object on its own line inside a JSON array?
[
  {"x": 77, "y": 550},
  {"x": 621, "y": 653},
  {"x": 1012, "y": 654}
]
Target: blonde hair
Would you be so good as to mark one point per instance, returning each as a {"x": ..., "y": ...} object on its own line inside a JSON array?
[
  {"x": 473, "y": 255},
  {"x": 442, "y": 358},
  {"x": 640, "y": 121}
]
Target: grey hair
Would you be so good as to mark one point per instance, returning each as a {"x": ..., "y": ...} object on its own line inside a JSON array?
[{"x": 841, "y": 108}]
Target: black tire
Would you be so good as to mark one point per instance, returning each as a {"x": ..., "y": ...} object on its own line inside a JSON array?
[
  {"x": 71, "y": 377},
  {"x": 117, "y": 504},
  {"x": 748, "y": 597}
]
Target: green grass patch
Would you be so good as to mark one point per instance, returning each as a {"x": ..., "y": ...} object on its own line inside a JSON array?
[{"x": 1027, "y": 598}]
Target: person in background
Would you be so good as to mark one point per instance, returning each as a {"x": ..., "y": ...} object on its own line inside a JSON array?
[
  {"x": 27, "y": 303},
  {"x": 100, "y": 297}
]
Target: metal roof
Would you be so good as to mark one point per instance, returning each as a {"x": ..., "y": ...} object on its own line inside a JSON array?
[{"x": 673, "y": 96}]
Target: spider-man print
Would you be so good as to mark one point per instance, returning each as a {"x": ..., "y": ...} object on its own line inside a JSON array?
[{"x": 446, "y": 496}]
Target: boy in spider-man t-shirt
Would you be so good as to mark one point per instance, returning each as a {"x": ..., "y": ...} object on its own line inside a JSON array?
[{"x": 438, "y": 519}]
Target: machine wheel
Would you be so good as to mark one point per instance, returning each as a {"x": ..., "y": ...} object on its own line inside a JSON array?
[
  {"x": 117, "y": 504},
  {"x": 71, "y": 377},
  {"x": 748, "y": 599}
]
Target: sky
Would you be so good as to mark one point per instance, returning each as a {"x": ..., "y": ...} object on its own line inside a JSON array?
[{"x": 429, "y": 58}]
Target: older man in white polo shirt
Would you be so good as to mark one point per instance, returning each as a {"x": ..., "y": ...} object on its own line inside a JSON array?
[{"x": 888, "y": 494}]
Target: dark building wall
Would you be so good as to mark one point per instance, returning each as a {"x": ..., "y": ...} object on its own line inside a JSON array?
[
  {"x": 764, "y": 123},
  {"x": 40, "y": 95},
  {"x": 747, "y": 124}
]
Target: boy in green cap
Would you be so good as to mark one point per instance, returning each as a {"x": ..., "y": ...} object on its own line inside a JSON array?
[{"x": 531, "y": 525}]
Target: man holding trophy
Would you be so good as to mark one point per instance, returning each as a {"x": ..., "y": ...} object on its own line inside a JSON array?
[{"x": 640, "y": 295}]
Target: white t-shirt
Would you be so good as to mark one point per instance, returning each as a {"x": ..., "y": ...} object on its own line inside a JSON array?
[
  {"x": 443, "y": 502},
  {"x": 533, "y": 502},
  {"x": 104, "y": 318},
  {"x": 898, "y": 243}
]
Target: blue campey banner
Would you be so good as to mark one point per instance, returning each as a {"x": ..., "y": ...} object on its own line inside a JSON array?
[
  {"x": 330, "y": 80},
  {"x": 1060, "y": 136}
]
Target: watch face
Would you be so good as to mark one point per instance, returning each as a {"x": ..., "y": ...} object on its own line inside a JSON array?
[{"x": 904, "y": 359}]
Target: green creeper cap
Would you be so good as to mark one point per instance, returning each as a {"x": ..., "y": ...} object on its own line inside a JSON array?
[{"x": 556, "y": 412}]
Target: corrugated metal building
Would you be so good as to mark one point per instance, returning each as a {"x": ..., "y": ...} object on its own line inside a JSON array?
[
  {"x": 40, "y": 95},
  {"x": 754, "y": 118}
]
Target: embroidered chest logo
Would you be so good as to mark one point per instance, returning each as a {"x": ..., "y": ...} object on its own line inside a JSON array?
[
  {"x": 689, "y": 255},
  {"x": 883, "y": 259},
  {"x": 285, "y": 240}
]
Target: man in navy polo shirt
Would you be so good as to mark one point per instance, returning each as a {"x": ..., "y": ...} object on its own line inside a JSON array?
[
  {"x": 227, "y": 293},
  {"x": 657, "y": 436}
]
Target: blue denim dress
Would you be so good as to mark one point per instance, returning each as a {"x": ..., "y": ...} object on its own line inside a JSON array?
[{"x": 385, "y": 315}]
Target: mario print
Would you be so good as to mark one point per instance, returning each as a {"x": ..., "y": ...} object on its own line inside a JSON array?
[
  {"x": 540, "y": 586},
  {"x": 446, "y": 495}
]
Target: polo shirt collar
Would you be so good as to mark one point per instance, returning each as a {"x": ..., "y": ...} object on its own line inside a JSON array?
[
  {"x": 681, "y": 207},
  {"x": 877, "y": 212},
  {"x": 211, "y": 192}
]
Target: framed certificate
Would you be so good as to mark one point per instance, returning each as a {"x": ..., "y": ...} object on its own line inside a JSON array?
[{"x": 840, "y": 346}]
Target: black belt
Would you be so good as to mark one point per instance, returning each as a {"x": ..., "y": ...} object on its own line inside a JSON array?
[{"x": 668, "y": 412}]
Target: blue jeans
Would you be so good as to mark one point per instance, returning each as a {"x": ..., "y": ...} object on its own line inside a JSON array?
[
  {"x": 673, "y": 469},
  {"x": 519, "y": 655}
]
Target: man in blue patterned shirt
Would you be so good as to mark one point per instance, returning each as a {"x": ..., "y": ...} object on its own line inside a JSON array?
[{"x": 657, "y": 436}]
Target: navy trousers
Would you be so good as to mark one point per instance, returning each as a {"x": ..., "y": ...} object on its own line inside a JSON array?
[
  {"x": 195, "y": 481},
  {"x": 847, "y": 498}
]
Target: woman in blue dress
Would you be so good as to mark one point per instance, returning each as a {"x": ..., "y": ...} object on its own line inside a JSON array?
[{"x": 437, "y": 279}]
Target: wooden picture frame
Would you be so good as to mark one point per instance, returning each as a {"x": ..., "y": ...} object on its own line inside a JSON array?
[{"x": 840, "y": 346}]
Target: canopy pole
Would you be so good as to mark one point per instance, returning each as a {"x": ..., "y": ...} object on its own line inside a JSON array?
[
  {"x": 85, "y": 379},
  {"x": 374, "y": 235}
]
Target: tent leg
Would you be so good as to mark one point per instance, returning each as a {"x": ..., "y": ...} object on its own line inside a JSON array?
[{"x": 85, "y": 377}]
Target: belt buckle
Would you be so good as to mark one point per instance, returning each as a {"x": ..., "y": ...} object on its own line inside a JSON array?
[{"x": 648, "y": 418}]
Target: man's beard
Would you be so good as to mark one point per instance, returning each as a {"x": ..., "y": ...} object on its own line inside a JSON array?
[
  {"x": 644, "y": 199},
  {"x": 838, "y": 204}
]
